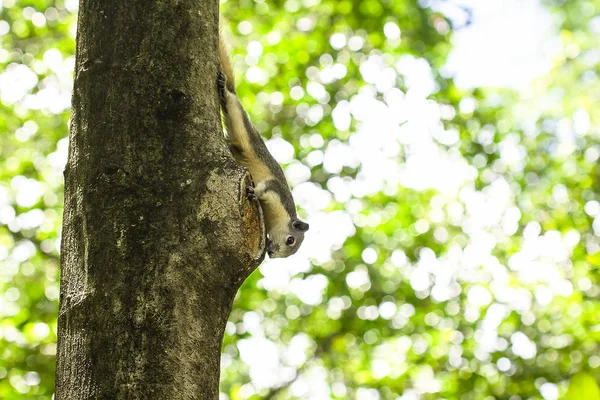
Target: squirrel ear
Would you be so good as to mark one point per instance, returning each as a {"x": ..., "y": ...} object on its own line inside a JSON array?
[{"x": 300, "y": 225}]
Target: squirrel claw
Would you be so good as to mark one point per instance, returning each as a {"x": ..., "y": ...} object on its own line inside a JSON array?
[
  {"x": 221, "y": 80},
  {"x": 250, "y": 193},
  {"x": 222, "y": 88}
]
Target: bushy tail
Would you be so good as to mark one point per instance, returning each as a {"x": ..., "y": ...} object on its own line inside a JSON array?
[{"x": 225, "y": 61}]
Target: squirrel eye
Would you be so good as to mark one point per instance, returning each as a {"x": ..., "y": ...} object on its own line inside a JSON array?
[{"x": 290, "y": 240}]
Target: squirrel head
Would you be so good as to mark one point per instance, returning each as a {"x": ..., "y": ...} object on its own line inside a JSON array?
[{"x": 285, "y": 240}]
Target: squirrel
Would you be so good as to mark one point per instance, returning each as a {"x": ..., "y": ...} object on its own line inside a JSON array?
[{"x": 285, "y": 231}]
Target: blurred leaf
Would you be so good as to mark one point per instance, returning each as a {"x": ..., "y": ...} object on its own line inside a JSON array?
[
  {"x": 583, "y": 386},
  {"x": 594, "y": 260}
]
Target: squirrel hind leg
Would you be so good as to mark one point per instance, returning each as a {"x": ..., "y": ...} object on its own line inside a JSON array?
[
  {"x": 236, "y": 150},
  {"x": 222, "y": 88}
]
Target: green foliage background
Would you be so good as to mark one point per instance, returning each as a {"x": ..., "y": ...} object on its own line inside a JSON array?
[{"x": 375, "y": 332}]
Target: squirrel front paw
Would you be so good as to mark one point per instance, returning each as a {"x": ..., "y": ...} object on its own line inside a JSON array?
[{"x": 250, "y": 193}]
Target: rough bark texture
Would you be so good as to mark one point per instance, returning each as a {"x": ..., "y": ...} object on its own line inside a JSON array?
[{"x": 158, "y": 233}]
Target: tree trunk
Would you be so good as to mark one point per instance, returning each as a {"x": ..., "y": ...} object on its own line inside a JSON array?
[{"x": 158, "y": 233}]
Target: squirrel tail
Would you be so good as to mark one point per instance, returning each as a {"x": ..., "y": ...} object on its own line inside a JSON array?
[{"x": 225, "y": 61}]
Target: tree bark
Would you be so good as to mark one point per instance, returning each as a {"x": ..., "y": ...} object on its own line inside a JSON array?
[{"x": 158, "y": 233}]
